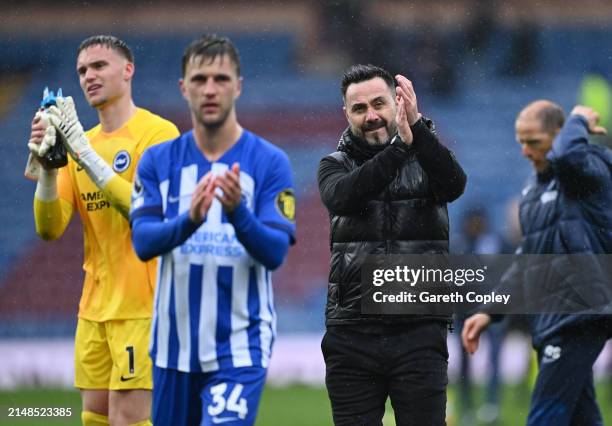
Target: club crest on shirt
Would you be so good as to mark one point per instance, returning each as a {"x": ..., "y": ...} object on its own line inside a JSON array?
[
  {"x": 121, "y": 161},
  {"x": 285, "y": 204},
  {"x": 137, "y": 188},
  {"x": 137, "y": 194}
]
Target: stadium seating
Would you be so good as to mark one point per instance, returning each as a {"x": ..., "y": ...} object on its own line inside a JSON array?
[{"x": 300, "y": 112}]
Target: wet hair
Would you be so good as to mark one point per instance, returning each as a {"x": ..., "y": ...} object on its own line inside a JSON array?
[
  {"x": 109, "y": 41},
  {"x": 551, "y": 117},
  {"x": 211, "y": 46},
  {"x": 359, "y": 73}
]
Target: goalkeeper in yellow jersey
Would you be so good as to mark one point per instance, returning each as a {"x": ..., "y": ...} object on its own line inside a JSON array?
[{"x": 112, "y": 366}]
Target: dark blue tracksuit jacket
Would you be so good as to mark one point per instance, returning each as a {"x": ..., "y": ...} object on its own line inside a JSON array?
[{"x": 566, "y": 210}]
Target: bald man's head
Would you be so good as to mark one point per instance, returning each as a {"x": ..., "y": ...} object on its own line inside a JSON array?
[
  {"x": 536, "y": 127},
  {"x": 549, "y": 114}
]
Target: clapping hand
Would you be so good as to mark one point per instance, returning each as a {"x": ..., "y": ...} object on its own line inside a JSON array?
[
  {"x": 202, "y": 198},
  {"x": 407, "y": 108},
  {"x": 230, "y": 187}
]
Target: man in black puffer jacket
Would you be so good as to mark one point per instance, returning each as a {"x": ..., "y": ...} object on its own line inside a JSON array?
[
  {"x": 386, "y": 190},
  {"x": 566, "y": 209}
]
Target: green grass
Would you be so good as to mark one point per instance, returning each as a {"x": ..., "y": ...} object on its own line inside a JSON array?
[
  {"x": 40, "y": 398},
  {"x": 294, "y": 405}
]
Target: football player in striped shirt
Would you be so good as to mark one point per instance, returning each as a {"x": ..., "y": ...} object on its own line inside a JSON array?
[
  {"x": 217, "y": 205},
  {"x": 112, "y": 368}
]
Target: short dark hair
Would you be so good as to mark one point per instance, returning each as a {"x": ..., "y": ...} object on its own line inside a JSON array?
[
  {"x": 552, "y": 117},
  {"x": 359, "y": 73},
  {"x": 210, "y": 46},
  {"x": 109, "y": 41}
]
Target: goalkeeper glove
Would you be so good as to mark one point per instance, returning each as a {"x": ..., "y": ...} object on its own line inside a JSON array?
[
  {"x": 48, "y": 154},
  {"x": 40, "y": 150},
  {"x": 64, "y": 118},
  {"x": 51, "y": 154}
]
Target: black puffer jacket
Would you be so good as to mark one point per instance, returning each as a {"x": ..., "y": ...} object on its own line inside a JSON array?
[{"x": 389, "y": 199}]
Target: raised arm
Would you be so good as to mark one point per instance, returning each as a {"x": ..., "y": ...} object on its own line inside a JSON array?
[
  {"x": 576, "y": 164},
  {"x": 345, "y": 191},
  {"x": 52, "y": 213},
  {"x": 153, "y": 236},
  {"x": 446, "y": 175},
  {"x": 63, "y": 117},
  {"x": 267, "y": 232}
]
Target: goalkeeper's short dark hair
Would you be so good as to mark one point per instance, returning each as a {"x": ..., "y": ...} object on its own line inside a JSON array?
[
  {"x": 109, "y": 41},
  {"x": 209, "y": 47}
]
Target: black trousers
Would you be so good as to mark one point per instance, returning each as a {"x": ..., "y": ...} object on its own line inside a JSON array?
[{"x": 408, "y": 364}]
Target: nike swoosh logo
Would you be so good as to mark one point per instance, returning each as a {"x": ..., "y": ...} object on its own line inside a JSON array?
[
  {"x": 172, "y": 199},
  {"x": 124, "y": 379},
  {"x": 79, "y": 168},
  {"x": 217, "y": 420}
]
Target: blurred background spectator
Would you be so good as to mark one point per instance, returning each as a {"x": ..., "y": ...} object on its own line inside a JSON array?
[{"x": 476, "y": 237}]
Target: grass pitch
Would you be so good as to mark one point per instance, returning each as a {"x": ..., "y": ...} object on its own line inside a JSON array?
[{"x": 286, "y": 406}]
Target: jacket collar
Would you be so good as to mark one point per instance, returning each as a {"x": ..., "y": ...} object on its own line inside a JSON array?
[
  {"x": 546, "y": 175},
  {"x": 358, "y": 148}
]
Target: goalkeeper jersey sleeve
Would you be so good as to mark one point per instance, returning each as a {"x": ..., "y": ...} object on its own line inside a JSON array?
[
  {"x": 52, "y": 217},
  {"x": 117, "y": 284}
]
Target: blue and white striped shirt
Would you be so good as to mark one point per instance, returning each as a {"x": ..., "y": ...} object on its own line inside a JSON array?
[{"x": 214, "y": 307}]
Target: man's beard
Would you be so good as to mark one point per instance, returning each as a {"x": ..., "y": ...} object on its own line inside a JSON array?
[
  {"x": 374, "y": 138},
  {"x": 213, "y": 125}
]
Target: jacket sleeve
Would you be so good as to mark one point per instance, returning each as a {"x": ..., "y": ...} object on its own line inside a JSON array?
[
  {"x": 446, "y": 175},
  {"x": 576, "y": 166},
  {"x": 511, "y": 283},
  {"x": 345, "y": 191}
]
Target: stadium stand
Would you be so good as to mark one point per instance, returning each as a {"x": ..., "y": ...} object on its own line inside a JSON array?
[{"x": 289, "y": 101}]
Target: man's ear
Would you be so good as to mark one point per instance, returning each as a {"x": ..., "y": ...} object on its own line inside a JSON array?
[
  {"x": 128, "y": 71},
  {"x": 238, "y": 88},
  {"x": 182, "y": 88}
]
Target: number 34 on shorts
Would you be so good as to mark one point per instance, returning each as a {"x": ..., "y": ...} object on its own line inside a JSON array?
[
  {"x": 234, "y": 403},
  {"x": 233, "y": 395}
]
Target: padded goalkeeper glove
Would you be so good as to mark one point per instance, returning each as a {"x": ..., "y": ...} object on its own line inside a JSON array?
[
  {"x": 48, "y": 154},
  {"x": 40, "y": 150},
  {"x": 64, "y": 118}
]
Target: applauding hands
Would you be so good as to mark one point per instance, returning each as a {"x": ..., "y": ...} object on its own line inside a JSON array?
[
  {"x": 225, "y": 188},
  {"x": 407, "y": 108}
]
